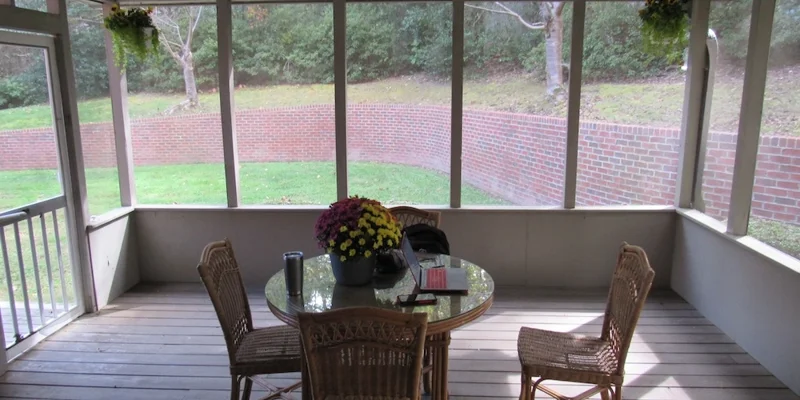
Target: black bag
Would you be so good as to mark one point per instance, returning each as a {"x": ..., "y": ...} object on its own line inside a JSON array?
[
  {"x": 426, "y": 238},
  {"x": 391, "y": 261}
]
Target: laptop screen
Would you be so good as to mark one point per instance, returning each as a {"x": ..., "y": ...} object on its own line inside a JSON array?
[{"x": 411, "y": 259}]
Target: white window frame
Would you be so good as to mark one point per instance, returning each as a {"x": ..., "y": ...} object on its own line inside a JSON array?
[{"x": 693, "y": 120}]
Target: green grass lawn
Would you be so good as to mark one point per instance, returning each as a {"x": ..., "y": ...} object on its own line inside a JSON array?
[
  {"x": 651, "y": 103},
  {"x": 260, "y": 183},
  {"x": 782, "y": 236}
]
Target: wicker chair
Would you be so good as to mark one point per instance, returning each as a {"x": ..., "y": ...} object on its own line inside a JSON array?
[
  {"x": 252, "y": 352},
  {"x": 408, "y": 216},
  {"x": 363, "y": 353},
  {"x": 599, "y": 361}
]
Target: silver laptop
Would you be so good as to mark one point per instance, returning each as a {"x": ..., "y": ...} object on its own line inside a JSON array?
[{"x": 441, "y": 280}]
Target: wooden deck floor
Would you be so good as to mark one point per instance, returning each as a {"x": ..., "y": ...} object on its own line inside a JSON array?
[
  {"x": 163, "y": 342},
  {"x": 38, "y": 318}
]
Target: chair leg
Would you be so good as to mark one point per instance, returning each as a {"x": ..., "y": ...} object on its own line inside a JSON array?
[
  {"x": 618, "y": 392},
  {"x": 234, "y": 387},
  {"x": 426, "y": 377},
  {"x": 525, "y": 390},
  {"x": 248, "y": 387},
  {"x": 532, "y": 392},
  {"x": 605, "y": 395}
]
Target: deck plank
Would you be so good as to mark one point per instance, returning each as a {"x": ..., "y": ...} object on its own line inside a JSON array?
[{"x": 163, "y": 342}]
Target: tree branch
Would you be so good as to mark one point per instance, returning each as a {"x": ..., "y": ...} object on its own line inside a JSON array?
[
  {"x": 559, "y": 7},
  {"x": 197, "y": 20},
  {"x": 189, "y": 20},
  {"x": 192, "y": 28},
  {"x": 171, "y": 52},
  {"x": 177, "y": 45},
  {"x": 168, "y": 21},
  {"x": 487, "y": 9},
  {"x": 508, "y": 11}
]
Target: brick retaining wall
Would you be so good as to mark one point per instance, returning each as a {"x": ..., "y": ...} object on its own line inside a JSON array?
[{"x": 518, "y": 157}]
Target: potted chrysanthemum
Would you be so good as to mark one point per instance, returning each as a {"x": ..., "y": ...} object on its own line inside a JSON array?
[{"x": 353, "y": 232}]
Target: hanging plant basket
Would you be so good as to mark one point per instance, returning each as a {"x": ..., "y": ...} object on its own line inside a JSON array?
[
  {"x": 665, "y": 24},
  {"x": 132, "y": 32}
]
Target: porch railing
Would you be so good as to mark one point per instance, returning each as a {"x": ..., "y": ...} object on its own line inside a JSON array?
[{"x": 38, "y": 286}]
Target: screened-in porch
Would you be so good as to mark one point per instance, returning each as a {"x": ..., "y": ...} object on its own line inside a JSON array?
[{"x": 255, "y": 116}]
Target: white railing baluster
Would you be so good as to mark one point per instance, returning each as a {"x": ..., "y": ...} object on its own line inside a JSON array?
[
  {"x": 22, "y": 278},
  {"x": 64, "y": 298},
  {"x": 11, "y": 301},
  {"x": 46, "y": 245},
  {"x": 37, "y": 278},
  {"x": 15, "y": 221}
]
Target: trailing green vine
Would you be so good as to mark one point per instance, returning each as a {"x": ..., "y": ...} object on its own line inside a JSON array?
[
  {"x": 132, "y": 32},
  {"x": 665, "y": 24}
]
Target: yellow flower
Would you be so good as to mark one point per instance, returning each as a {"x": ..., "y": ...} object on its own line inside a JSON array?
[
  {"x": 367, "y": 253},
  {"x": 332, "y": 242},
  {"x": 343, "y": 229},
  {"x": 375, "y": 245},
  {"x": 371, "y": 231},
  {"x": 352, "y": 252},
  {"x": 348, "y": 242},
  {"x": 362, "y": 241},
  {"x": 353, "y": 234},
  {"x": 343, "y": 246},
  {"x": 114, "y": 7},
  {"x": 342, "y": 258},
  {"x": 389, "y": 242}
]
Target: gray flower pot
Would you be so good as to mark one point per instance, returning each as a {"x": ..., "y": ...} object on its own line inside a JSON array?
[{"x": 353, "y": 273}]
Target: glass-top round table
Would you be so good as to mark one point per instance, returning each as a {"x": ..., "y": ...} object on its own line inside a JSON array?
[{"x": 321, "y": 293}]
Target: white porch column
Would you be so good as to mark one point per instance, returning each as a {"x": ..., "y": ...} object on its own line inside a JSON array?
[
  {"x": 118, "y": 90},
  {"x": 340, "y": 93},
  {"x": 574, "y": 103},
  {"x": 692, "y": 102},
  {"x": 4, "y": 353},
  {"x": 227, "y": 108},
  {"x": 755, "y": 79},
  {"x": 457, "y": 104},
  {"x": 72, "y": 165}
]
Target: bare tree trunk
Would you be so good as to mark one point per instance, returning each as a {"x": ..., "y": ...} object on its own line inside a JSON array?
[
  {"x": 553, "y": 26},
  {"x": 554, "y": 40},
  {"x": 187, "y": 61},
  {"x": 178, "y": 42}
]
